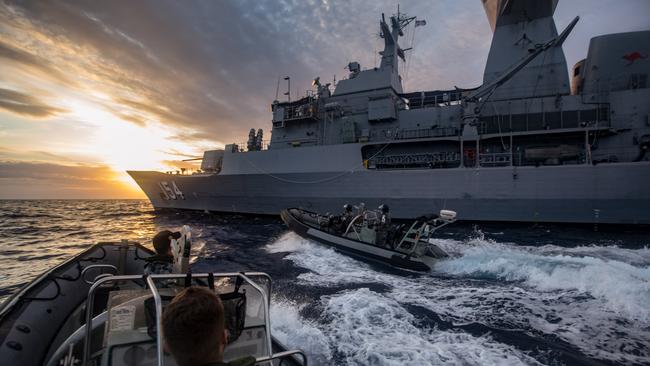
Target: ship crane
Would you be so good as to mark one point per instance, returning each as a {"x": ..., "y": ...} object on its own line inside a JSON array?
[{"x": 482, "y": 94}]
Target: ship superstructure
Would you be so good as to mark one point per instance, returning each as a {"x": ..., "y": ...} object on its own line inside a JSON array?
[{"x": 532, "y": 143}]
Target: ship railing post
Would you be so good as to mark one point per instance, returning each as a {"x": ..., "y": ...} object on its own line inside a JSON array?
[
  {"x": 477, "y": 155},
  {"x": 462, "y": 155},
  {"x": 587, "y": 148},
  {"x": 512, "y": 157}
]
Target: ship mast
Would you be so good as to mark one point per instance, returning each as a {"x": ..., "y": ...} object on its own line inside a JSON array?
[{"x": 391, "y": 35}]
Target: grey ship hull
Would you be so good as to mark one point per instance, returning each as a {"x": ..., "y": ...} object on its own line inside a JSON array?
[{"x": 604, "y": 193}]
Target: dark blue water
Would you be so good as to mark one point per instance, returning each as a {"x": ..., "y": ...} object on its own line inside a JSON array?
[{"x": 510, "y": 295}]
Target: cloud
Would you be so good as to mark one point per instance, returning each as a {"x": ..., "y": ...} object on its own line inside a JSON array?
[
  {"x": 26, "y": 105},
  {"x": 138, "y": 120},
  {"x": 210, "y": 69},
  {"x": 49, "y": 180},
  {"x": 32, "y": 63}
]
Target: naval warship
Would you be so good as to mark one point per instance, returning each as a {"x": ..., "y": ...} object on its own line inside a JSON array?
[{"x": 533, "y": 143}]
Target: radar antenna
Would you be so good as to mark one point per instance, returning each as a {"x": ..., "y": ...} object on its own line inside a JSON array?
[{"x": 401, "y": 21}]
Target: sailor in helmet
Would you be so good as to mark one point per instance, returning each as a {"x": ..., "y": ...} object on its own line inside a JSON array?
[
  {"x": 163, "y": 261},
  {"x": 347, "y": 209},
  {"x": 385, "y": 215},
  {"x": 347, "y": 216},
  {"x": 383, "y": 227},
  {"x": 361, "y": 209}
]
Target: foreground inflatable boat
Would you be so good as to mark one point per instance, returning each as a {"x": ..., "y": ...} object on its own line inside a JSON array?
[{"x": 98, "y": 308}]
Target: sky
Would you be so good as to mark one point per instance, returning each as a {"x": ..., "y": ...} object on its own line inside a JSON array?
[{"x": 89, "y": 89}]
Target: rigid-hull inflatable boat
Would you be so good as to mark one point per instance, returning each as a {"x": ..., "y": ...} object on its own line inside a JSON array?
[{"x": 363, "y": 236}]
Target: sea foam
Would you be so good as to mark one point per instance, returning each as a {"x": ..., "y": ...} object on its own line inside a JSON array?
[{"x": 595, "y": 303}]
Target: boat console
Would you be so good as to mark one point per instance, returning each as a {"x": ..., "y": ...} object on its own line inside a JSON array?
[{"x": 127, "y": 332}]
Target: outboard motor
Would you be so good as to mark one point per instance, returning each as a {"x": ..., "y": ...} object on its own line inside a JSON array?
[{"x": 447, "y": 215}]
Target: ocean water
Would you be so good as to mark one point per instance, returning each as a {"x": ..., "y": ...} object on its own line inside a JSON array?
[{"x": 509, "y": 295}]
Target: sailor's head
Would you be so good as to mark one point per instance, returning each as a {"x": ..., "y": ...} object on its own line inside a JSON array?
[
  {"x": 163, "y": 240},
  {"x": 193, "y": 327},
  {"x": 347, "y": 207},
  {"x": 383, "y": 208}
]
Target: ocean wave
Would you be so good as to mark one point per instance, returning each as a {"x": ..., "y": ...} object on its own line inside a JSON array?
[
  {"x": 368, "y": 328},
  {"x": 570, "y": 296},
  {"x": 292, "y": 329},
  {"x": 622, "y": 287}
]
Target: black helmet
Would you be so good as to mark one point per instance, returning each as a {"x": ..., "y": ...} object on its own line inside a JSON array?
[
  {"x": 162, "y": 240},
  {"x": 384, "y": 208},
  {"x": 347, "y": 207}
]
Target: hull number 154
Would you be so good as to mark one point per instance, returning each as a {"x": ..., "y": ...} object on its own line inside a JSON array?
[{"x": 170, "y": 191}]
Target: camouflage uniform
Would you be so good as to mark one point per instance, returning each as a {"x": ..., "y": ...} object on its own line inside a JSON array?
[{"x": 159, "y": 264}]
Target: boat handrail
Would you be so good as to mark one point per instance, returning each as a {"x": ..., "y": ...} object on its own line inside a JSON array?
[
  {"x": 351, "y": 226},
  {"x": 96, "y": 266},
  {"x": 75, "y": 337},
  {"x": 151, "y": 282},
  {"x": 282, "y": 355}
]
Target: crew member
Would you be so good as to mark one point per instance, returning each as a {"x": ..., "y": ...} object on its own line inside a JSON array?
[
  {"x": 385, "y": 216},
  {"x": 194, "y": 329},
  {"x": 383, "y": 227},
  {"x": 163, "y": 261},
  {"x": 361, "y": 209},
  {"x": 347, "y": 216}
]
